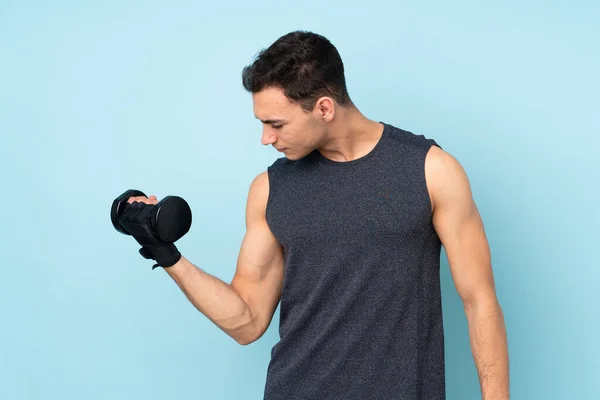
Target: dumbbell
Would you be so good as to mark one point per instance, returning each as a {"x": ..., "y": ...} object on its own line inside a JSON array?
[{"x": 170, "y": 219}]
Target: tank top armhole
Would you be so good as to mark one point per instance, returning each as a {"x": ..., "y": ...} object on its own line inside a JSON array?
[
  {"x": 432, "y": 142},
  {"x": 271, "y": 179},
  {"x": 272, "y": 176},
  {"x": 429, "y": 143}
]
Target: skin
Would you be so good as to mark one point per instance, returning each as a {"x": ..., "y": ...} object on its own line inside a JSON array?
[{"x": 244, "y": 308}]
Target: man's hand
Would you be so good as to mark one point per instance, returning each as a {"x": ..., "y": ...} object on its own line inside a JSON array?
[
  {"x": 136, "y": 219},
  {"x": 142, "y": 199}
]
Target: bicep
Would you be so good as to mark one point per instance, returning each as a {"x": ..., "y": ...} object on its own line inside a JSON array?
[
  {"x": 259, "y": 272},
  {"x": 460, "y": 227}
]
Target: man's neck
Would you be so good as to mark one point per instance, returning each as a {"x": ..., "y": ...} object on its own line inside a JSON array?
[{"x": 351, "y": 136}]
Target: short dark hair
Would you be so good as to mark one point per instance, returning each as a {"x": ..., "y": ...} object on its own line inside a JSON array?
[{"x": 305, "y": 65}]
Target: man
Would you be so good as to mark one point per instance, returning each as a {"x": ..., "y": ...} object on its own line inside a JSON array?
[{"x": 346, "y": 231}]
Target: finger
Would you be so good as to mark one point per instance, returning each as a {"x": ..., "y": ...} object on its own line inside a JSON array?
[{"x": 141, "y": 199}]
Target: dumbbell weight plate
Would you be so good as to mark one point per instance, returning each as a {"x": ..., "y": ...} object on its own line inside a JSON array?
[
  {"x": 118, "y": 207},
  {"x": 172, "y": 218}
]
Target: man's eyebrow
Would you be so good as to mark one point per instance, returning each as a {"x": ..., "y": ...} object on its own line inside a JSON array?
[{"x": 271, "y": 121}]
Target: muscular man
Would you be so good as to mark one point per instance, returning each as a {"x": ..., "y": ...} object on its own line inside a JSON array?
[{"x": 346, "y": 231}]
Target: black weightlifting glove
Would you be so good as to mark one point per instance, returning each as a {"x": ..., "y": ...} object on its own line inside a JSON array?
[{"x": 136, "y": 219}]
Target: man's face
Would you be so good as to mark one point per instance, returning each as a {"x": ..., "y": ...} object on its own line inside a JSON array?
[{"x": 286, "y": 126}]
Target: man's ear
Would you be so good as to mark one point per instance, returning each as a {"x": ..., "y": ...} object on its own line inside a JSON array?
[{"x": 325, "y": 108}]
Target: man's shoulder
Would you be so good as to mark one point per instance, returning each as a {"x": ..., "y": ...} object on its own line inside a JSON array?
[
  {"x": 409, "y": 138},
  {"x": 258, "y": 192},
  {"x": 444, "y": 174}
]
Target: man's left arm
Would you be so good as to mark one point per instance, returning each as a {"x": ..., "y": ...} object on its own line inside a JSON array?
[{"x": 460, "y": 228}]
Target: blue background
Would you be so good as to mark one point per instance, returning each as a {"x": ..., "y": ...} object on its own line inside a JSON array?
[{"x": 99, "y": 97}]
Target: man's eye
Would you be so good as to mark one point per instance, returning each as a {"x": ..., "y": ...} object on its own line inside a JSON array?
[{"x": 276, "y": 126}]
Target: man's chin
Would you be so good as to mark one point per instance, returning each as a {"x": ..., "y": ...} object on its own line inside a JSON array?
[
  {"x": 290, "y": 155},
  {"x": 294, "y": 155}
]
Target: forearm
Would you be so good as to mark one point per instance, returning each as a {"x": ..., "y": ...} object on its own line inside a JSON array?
[
  {"x": 216, "y": 299},
  {"x": 490, "y": 349}
]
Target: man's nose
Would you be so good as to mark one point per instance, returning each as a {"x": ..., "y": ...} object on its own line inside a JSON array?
[{"x": 268, "y": 137}]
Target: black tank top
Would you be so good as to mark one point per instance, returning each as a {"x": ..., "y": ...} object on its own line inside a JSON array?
[{"x": 360, "y": 314}]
